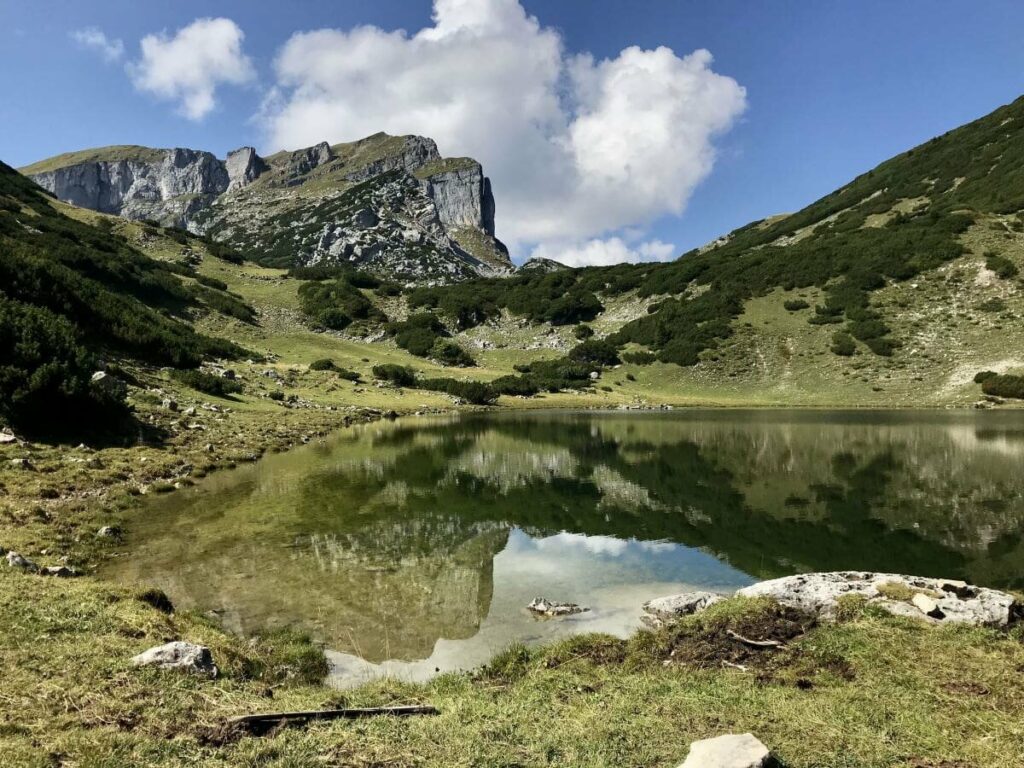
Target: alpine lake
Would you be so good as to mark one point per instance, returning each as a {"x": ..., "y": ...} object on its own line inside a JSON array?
[{"x": 412, "y": 547}]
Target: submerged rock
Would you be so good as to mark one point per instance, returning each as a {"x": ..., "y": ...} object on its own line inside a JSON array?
[
  {"x": 663, "y": 610},
  {"x": 544, "y": 607},
  {"x": 188, "y": 657},
  {"x": 944, "y": 600},
  {"x": 729, "y": 751}
]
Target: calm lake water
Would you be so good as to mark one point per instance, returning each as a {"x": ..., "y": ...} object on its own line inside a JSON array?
[{"x": 414, "y": 546}]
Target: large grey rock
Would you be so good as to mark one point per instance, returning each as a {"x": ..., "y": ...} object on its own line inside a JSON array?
[
  {"x": 662, "y": 610},
  {"x": 947, "y": 600},
  {"x": 162, "y": 184},
  {"x": 243, "y": 166},
  {"x": 110, "y": 386},
  {"x": 303, "y": 161},
  {"x": 463, "y": 197},
  {"x": 188, "y": 657},
  {"x": 729, "y": 751}
]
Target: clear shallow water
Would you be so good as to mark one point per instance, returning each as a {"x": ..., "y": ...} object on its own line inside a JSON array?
[{"x": 414, "y": 546}]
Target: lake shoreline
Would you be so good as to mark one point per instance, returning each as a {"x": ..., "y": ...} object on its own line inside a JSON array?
[{"x": 104, "y": 645}]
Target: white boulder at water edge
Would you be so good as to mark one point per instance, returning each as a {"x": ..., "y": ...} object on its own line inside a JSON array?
[{"x": 934, "y": 600}]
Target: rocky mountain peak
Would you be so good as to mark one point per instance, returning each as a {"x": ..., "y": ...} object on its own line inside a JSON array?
[{"x": 391, "y": 204}]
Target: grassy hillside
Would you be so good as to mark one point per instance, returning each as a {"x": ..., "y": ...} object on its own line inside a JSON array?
[
  {"x": 895, "y": 289},
  {"x": 71, "y": 294}
]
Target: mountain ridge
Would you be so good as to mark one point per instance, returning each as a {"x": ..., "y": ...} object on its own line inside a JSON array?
[{"x": 419, "y": 216}]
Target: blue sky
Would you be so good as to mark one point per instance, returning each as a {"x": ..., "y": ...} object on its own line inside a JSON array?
[{"x": 829, "y": 89}]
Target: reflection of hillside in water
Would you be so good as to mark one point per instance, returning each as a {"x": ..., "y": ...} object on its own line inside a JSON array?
[{"x": 382, "y": 542}]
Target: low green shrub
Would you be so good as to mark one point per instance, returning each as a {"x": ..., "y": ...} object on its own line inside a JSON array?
[
  {"x": 1002, "y": 266},
  {"x": 1004, "y": 385},
  {"x": 207, "y": 382},
  {"x": 843, "y": 344},
  {"x": 399, "y": 375}
]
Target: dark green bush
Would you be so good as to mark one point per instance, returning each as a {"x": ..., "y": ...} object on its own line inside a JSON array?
[
  {"x": 795, "y": 305},
  {"x": 596, "y": 352},
  {"x": 418, "y": 333},
  {"x": 207, "y": 382},
  {"x": 582, "y": 332},
  {"x": 639, "y": 358},
  {"x": 335, "y": 304},
  {"x": 982, "y": 376},
  {"x": 474, "y": 392},
  {"x": 1004, "y": 385},
  {"x": 843, "y": 344},
  {"x": 323, "y": 364},
  {"x": 399, "y": 375},
  {"x": 1001, "y": 265},
  {"x": 448, "y": 352}
]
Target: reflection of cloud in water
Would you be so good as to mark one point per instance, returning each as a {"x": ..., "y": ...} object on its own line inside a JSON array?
[
  {"x": 605, "y": 546},
  {"x": 612, "y": 577}
]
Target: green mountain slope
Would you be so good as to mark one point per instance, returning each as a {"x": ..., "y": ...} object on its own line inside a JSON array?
[
  {"x": 71, "y": 294},
  {"x": 854, "y": 275}
]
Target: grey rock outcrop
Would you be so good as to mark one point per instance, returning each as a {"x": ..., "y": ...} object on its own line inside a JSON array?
[
  {"x": 243, "y": 167},
  {"x": 303, "y": 161},
  {"x": 663, "y": 610},
  {"x": 934, "y": 600},
  {"x": 463, "y": 197},
  {"x": 947, "y": 600},
  {"x": 188, "y": 657},
  {"x": 388, "y": 204},
  {"x": 729, "y": 751},
  {"x": 166, "y": 185}
]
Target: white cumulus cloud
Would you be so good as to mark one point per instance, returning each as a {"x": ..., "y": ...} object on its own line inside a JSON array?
[
  {"x": 579, "y": 150},
  {"x": 189, "y": 66},
  {"x": 94, "y": 39}
]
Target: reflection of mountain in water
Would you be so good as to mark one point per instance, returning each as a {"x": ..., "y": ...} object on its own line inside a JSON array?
[{"x": 382, "y": 542}]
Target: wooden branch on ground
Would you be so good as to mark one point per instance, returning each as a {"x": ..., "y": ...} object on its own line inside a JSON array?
[
  {"x": 753, "y": 643},
  {"x": 263, "y": 722}
]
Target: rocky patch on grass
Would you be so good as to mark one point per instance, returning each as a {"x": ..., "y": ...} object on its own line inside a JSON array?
[
  {"x": 822, "y": 594},
  {"x": 664, "y": 610},
  {"x": 935, "y": 600},
  {"x": 179, "y": 655}
]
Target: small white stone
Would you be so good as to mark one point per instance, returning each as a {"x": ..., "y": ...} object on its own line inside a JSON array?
[
  {"x": 923, "y": 603},
  {"x": 729, "y": 751}
]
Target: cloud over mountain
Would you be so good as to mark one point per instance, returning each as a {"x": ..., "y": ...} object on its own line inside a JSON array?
[
  {"x": 579, "y": 149},
  {"x": 189, "y": 66}
]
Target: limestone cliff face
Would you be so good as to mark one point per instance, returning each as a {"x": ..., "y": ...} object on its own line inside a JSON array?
[
  {"x": 462, "y": 197},
  {"x": 166, "y": 189},
  {"x": 389, "y": 204}
]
